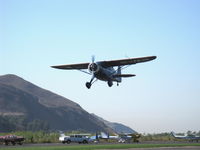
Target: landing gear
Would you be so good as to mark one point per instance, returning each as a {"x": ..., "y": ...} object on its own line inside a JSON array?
[
  {"x": 110, "y": 83},
  {"x": 88, "y": 85}
]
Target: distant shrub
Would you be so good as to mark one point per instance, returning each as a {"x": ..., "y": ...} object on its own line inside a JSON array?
[{"x": 37, "y": 137}]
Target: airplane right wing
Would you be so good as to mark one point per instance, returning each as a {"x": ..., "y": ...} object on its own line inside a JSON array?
[{"x": 129, "y": 61}]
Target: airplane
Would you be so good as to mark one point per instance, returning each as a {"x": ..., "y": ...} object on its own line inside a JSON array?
[
  {"x": 104, "y": 70},
  {"x": 129, "y": 137},
  {"x": 122, "y": 138},
  {"x": 186, "y": 137},
  {"x": 108, "y": 136}
]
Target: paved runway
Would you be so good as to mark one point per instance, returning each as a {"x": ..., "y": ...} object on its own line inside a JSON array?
[
  {"x": 164, "y": 148},
  {"x": 151, "y": 142}
]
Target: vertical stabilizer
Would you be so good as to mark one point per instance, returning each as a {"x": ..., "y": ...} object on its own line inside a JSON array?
[{"x": 119, "y": 79}]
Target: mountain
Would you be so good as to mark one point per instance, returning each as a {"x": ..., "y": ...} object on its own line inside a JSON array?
[
  {"x": 25, "y": 106},
  {"x": 117, "y": 127}
]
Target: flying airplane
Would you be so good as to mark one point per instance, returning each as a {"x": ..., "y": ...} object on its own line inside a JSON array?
[
  {"x": 104, "y": 70},
  {"x": 186, "y": 137}
]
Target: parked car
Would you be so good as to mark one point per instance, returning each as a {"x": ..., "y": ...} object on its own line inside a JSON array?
[
  {"x": 13, "y": 139},
  {"x": 76, "y": 138}
]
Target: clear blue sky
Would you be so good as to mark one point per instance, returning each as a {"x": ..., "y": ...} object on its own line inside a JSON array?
[{"x": 165, "y": 94}]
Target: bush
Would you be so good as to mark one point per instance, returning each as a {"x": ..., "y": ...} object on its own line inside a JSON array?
[{"x": 37, "y": 137}]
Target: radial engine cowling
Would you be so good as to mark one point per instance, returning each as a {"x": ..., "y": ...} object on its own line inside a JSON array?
[{"x": 93, "y": 67}]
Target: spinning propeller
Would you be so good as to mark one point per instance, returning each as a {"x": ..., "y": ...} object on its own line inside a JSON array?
[{"x": 93, "y": 68}]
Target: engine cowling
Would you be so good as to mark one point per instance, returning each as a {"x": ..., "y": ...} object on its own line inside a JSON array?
[{"x": 93, "y": 67}]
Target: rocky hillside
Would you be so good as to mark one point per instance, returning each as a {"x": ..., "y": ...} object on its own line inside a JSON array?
[
  {"x": 25, "y": 106},
  {"x": 117, "y": 127}
]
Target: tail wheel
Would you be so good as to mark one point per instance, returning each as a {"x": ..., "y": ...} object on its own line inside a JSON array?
[{"x": 110, "y": 83}]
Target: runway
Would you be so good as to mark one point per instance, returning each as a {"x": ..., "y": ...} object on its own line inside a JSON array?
[
  {"x": 92, "y": 144},
  {"x": 163, "y": 148}
]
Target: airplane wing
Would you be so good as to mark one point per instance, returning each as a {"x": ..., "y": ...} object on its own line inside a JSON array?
[
  {"x": 72, "y": 66},
  {"x": 120, "y": 62},
  {"x": 129, "y": 61}
]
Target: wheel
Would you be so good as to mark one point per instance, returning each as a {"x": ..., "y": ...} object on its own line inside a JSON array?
[
  {"x": 110, "y": 83},
  {"x": 88, "y": 85},
  {"x": 68, "y": 141},
  {"x": 63, "y": 142},
  {"x": 84, "y": 142},
  {"x": 13, "y": 143}
]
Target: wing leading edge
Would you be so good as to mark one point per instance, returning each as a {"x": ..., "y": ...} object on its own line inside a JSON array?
[
  {"x": 129, "y": 61},
  {"x": 72, "y": 66}
]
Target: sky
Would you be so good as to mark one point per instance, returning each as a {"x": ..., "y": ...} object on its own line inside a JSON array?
[{"x": 165, "y": 94}]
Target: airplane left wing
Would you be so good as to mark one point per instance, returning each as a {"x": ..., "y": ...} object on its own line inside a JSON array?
[
  {"x": 129, "y": 61},
  {"x": 72, "y": 66}
]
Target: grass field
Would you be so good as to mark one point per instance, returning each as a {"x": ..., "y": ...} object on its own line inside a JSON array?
[{"x": 94, "y": 147}]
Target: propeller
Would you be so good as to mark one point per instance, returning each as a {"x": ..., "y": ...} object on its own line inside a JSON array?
[
  {"x": 93, "y": 67},
  {"x": 93, "y": 58}
]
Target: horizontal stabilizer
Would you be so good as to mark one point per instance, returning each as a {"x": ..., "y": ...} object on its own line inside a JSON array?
[{"x": 123, "y": 75}]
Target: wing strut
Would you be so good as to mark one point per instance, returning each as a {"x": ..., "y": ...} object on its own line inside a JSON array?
[{"x": 84, "y": 71}]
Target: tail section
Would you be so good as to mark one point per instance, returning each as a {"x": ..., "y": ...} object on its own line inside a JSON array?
[
  {"x": 178, "y": 136},
  {"x": 124, "y": 75},
  {"x": 173, "y": 134},
  {"x": 104, "y": 135},
  {"x": 119, "y": 78}
]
